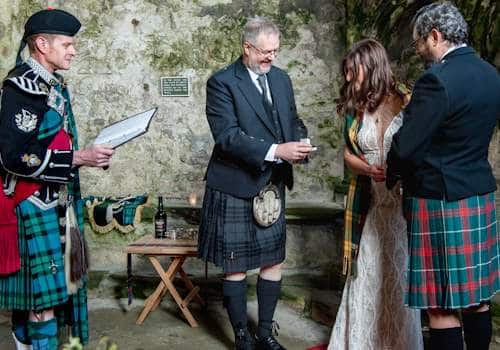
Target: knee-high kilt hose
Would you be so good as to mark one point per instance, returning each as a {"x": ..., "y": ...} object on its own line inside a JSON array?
[
  {"x": 230, "y": 238},
  {"x": 453, "y": 252},
  {"x": 40, "y": 283}
]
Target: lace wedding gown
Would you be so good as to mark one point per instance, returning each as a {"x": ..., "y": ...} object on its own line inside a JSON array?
[{"x": 372, "y": 314}]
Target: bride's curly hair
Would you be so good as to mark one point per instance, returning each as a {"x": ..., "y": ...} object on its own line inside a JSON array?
[{"x": 379, "y": 82}]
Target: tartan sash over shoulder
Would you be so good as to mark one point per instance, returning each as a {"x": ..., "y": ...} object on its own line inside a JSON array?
[{"x": 358, "y": 198}]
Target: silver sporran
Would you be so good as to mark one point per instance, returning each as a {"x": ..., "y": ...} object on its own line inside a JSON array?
[{"x": 267, "y": 206}]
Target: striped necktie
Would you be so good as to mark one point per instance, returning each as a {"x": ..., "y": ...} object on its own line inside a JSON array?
[{"x": 265, "y": 100}]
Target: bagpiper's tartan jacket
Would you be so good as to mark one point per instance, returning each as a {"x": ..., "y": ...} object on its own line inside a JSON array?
[{"x": 35, "y": 107}]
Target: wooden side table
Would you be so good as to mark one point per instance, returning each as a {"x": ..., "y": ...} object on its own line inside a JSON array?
[{"x": 178, "y": 250}]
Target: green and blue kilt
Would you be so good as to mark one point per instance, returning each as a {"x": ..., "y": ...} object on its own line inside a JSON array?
[
  {"x": 454, "y": 255},
  {"x": 230, "y": 238},
  {"x": 40, "y": 283}
]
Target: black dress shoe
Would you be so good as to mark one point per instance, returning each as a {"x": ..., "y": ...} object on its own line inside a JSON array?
[
  {"x": 269, "y": 343},
  {"x": 243, "y": 340}
]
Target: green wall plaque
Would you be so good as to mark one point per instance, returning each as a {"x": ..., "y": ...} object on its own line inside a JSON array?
[{"x": 174, "y": 86}]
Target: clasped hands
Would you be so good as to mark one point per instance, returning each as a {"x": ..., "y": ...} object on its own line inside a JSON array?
[
  {"x": 376, "y": 172},
  {"x": 293, "y": 152}
]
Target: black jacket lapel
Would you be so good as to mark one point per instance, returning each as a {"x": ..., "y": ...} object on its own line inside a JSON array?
[
  {"x": 252, "y": 95},
  {"x": 278, "y": 92}
]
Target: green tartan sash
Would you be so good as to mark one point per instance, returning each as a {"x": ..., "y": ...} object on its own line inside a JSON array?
[
  {"x": 51, "y": 124},
  {"x": 358, "y": 199}
]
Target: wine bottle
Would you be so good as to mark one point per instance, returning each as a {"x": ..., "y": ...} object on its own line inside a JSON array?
[{"x": 160, "y": 220}]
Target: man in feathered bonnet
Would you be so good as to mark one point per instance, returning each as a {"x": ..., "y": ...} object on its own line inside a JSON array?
[{"x": 43, "y": 262}]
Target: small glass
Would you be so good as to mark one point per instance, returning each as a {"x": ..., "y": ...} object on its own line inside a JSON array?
[
  {"x": 308, "y": 141},
  {"x": 173, "y": 234}
]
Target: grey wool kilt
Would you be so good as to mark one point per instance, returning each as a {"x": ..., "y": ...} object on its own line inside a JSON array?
[{"x": 230, "y": 238}]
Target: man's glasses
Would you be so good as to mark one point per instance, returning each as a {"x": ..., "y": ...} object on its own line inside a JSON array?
[{"x": 265, "y": 52}]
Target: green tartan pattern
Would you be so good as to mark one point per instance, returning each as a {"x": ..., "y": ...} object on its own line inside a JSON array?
[
  {"x": 51, "y": 124},
  {"x": 124, "y": 208},
  {"x": 71, "y": 123},
  {"x": 52, "y": 121},
  {"x": 357, "y": 201},
  {"x": 39, "y": 240},
  {"x": 454, "y": 257},
  {"x": 129, "y": 209},
  {"x": 35, "y": 287},
  {"x": 75, "y": 314},
  {"x": 78, "y": 313}
]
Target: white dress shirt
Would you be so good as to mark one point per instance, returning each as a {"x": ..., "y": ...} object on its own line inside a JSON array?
[{"x": 270, "y": 155}]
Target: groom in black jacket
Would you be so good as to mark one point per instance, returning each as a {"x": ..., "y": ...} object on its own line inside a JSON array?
[
  {"x": 252, "y": 115},
  {"x": 441, "y": 154}
]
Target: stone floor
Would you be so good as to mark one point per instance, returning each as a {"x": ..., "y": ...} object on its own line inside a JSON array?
[
  {"x": 165, "y": 329},
  {"x": 304, "y": 314}
]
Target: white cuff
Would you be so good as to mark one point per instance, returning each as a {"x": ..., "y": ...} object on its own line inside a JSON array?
[{"x": 270, "y": 153}]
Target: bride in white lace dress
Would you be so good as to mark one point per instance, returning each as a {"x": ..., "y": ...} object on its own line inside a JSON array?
[{"x": 372, "y": 314}]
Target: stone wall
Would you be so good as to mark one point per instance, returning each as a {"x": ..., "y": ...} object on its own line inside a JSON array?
[{"x": 126, "y": 46}]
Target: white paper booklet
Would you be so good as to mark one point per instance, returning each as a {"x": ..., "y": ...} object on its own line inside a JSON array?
[{"x": 125, "y": 130}]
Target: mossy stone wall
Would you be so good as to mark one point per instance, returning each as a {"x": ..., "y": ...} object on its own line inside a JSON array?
[{"x": 125, "y": 47}]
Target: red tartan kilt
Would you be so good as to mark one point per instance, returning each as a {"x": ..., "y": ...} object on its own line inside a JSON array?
[{"x": 453, "y": 249}]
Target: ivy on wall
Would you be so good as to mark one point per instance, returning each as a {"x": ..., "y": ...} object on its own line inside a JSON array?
[
  {"x": 203, "y": 36},
  {"x": 389, "y": 22}
]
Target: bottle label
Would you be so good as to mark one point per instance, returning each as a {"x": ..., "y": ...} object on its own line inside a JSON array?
[{"x": 159, "y": 228}]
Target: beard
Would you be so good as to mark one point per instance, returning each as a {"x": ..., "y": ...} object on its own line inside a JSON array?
[
  {"x": 428, "y": 58},
  {"x": 256, "y": 68}
]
